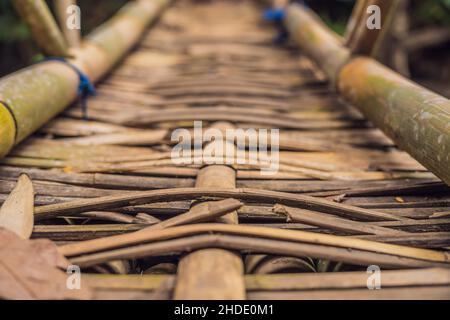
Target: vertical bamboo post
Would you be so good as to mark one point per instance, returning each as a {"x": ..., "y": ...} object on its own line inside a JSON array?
[
  {"x": 39, "y": 19},
  {"x": 306, "y": 29},
  {"x": 213, "y": 274},
  {"x": 358, "y": 13},
  {"x": 361, "y": 39},
  {"x": 72, "y": 36}
]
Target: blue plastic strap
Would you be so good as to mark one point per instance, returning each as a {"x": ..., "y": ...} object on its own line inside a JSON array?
[{"x": 85, "y": 87}]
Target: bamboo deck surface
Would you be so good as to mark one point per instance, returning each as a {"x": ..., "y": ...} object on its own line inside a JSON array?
[{"x": 339, "y": 176}]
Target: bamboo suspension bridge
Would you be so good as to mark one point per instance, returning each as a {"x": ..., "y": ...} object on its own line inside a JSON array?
[{"x": 364, "y": 166}]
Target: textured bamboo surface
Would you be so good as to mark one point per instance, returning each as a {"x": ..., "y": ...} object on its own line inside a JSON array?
[{"x": 345, "y": 196}]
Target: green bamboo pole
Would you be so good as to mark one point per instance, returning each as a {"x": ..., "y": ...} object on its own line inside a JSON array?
[
  {"x": 45, "y": 31},
  {"x": 38, "y": 93},
  {"x": 73, "y": 37},
  {"x": 417, "y": 119}
]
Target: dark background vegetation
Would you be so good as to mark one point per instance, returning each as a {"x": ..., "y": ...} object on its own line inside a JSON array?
[{"x": 432, "y": 63}]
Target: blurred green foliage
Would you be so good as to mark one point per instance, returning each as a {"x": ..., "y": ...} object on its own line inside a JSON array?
[
  {"x": 423, "y": 12},
  {"x": 11, "y": 28}
]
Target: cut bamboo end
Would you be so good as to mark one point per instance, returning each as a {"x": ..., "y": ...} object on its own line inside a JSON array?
[
  {"x": 213, "y": 274},
  {"x": 38, "y": 93},
  {"x": 119, "y": 34},
  {"x": 7, "y": 130}
]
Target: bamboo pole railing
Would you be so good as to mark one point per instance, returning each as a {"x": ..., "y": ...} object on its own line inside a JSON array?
[
  {"x": 362, "y": 40},
  {"x": 417, "y": 119},
  {"x": 72, "y": 36},
  {"x": 31, "y": 97}
]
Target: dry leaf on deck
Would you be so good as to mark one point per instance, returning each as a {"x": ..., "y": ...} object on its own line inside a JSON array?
[{"x": 29, "y": 270}]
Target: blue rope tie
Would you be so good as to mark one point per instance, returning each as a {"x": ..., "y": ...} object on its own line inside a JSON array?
[
  {"x": 85, "y": 87},
  {"x": 277, "y": 16}
]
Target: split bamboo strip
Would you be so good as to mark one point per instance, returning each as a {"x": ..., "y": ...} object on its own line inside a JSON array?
[
  {"x": 253, "y": 245},
  {"x": 414, "y": 117},
  {"x": 16, "y": 213},
  {"x": 45, "y": 31},
  {"x": 72, "y": 36},
  {"x": 36, "y": 94}
]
